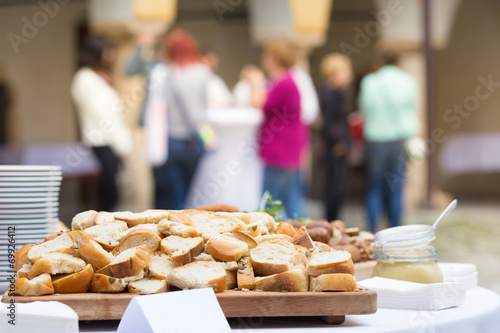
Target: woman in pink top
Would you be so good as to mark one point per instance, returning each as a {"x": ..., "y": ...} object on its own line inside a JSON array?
[{"x": 282, "y": 135}]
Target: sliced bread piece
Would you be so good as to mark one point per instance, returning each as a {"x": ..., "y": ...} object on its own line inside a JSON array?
[
  {"x": 302, "y": 238},
  {"x": 286, "y": 229},
  {"x": 95, "y": 254},
  {"x": 109, "y": 234},
  {"x": 226, "y": 248},
  {"x": 198, "y": 217},
  {"x": 265, "y": 220},
  {"x": 293, "y": 280},
  {"x": 330, "y": 262},
  {"x": 79, "y": 236},
  {"x": 245, "y": 276},
  {"x": 136, "y": 238},
  {"x": 104, "y": 217},
  {"x": 244, "y": 236},
  {"x": 273, "y": 237},
  {"x": 24, "y": 271},
  {"x": 333, "y": 282},
  {"x": 73, "y": 283},
  {"x": 146, "y": 217},
  {"x": 271, "y": 258},
  {"x": 182, "y": 250},
  {"x": 198, "y": 274},
  {"x": 219, "y": 207},
  {"x": 62, "y": 243},
  {"x": 148, "y": 286},
  {"x": 56, "y": 263},
  {"x": 84, "y": 220},
  {"x": 161, "y": 265},
  {"x": 180, "y": 217},
  {"x": 219, "y": 225},
  {"x": 244, "y": 217},
  {"x": 302, "y": 256},
  {"x": 21, "y": 257},
  {"x": 204, "y": 256},
  {"x": 129, "y": 262},
  {"x": 40, "y": 285},
  {"x": 150, "y": 226},
  {"x": 171, "y": 228},
  {"x": 102, "y": 283}
]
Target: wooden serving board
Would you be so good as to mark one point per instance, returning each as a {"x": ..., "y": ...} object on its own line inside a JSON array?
[{"x": 332, "y": 306}]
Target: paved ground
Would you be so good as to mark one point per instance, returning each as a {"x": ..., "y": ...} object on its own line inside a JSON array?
[{"x": 469, "y": 234}]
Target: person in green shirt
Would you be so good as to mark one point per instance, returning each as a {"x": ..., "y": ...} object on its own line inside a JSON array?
[{"x": 388, "y": 101}]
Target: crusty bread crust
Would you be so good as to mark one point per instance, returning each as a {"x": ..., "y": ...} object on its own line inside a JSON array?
[
  {"x": 134, "y": 219},
  {"x": 181, "y": 218},
  {"x": 84, "y": 220},
  {"x": 73, "y": 283},
  {"x": 226, "y": 248},
  {"x": 40, "y": 285},
  {"x": 245, "y": 276},
  {"x": 79, "y": 236},
  {"x": 171, "y": 228},
  {"x": 293, "y": 280},
  {"x": 24, "y": 271},
  {"x": 138, "y": 237},
  {"x": 108, "y": 234},
  {"x": 62, "y": 243},
  {"x": 56, "y": 263},
  {"x": 219, "y": 207},
  {"x": 197, "y": 269},
  {"x": 286, "y": 229},
  {"x": 21, "y": 257},
  {"x": 329, "y": 263},
  {"x": 333, "y": 282},
  {"x": 128, "y": 263},
  {"x": 302, "y": 238},
  {"x": 161, "y": 265},
  {"x": 179, "y": 256},
  {"x": 101, "y": 283},
  {"x": 148, "y": 286},
  {"x": 271, "y": 258},
  {"x": 95, "y": 254},
  {"x": 245, "y": 237}
]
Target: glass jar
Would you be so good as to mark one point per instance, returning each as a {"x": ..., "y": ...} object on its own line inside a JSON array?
[{"x": 405, "y": 253}]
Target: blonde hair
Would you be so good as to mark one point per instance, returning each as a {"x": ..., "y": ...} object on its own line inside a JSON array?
[
  {"x": 282, "y": 51},
  {"x": 332, "y": 62}
]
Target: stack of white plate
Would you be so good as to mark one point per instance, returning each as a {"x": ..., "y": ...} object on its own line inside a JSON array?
[{"x": 29, "y": 209}]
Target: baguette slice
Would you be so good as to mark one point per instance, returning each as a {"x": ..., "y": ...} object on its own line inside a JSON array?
[
  {"x": 147, "y": 286},
  {"x": 180, "y": 217},
  {"x": 129, "y": 262},
  {"x": 225, "y": 248},
  {"x": 73, "y": 283},
  {"x": 329, "y": 263},
  {"x": 273, "y": 237},
  {"x": 204, "y": 256},
  {"x": 79, "y": 236},
  {"x": 95, "y": 254},
  {"x": 198, "y": 274},
  {"x": 101, "y": 283},
  {"x": 182, "y": 250},
  {"x": 302, "y": 238},
  {"x": 333, "y": 282},
  {"x": 62, "y": 243},
  {"x": 245, "y": 275},
  {"x": 56, "y": 263},
  {"x": 285, "y": 229},
  {"x": 136, "y": 238},
  {"x": 244, "y": 236},
  {"x": 40, "y": 285},
  {"x": 84, "y": 220},
  {"x": 171, "y": 228},
  {"x": 21, "y": 257},
  {"x": 108, "y": 234},
  {"x": 231, "y": 268},
  {"x": 134, "y": 219},
  {"x": 265, "y": 220},
  {"x": 24, "y": 271},
  {"x": 161, "y": 265},
  {"x": 219, "y": 207},
  {"x": 198, "y": 217},
  {"x": 271, "y": 258},
  {"x": 104, "y": 217},
  {"x": 150, "y": 226},
  {"x": 219, "y": 225},
  {"x": 244, "y": 217},
  {"x": 293, "y": 280}
]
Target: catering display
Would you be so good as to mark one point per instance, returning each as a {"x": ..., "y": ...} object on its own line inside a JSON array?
[{"x": 247, "y": 258}]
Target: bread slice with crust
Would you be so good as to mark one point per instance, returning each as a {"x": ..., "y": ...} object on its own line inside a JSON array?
[
  {"x": 330, "y": 262},
  {"x": 271, "y": 258},
  {"x": 79, "y": 236},
  {"x": 245, "y": 276},
  {"x": 146, "y": 217},
  {"x": 302, "y": 238},
  {"x": 129, "y": 262},
  {"x": 180, "y": 217},
  {"x": 226, "y": 248},
  {"x": 24, "y": 271},
  {"x": 198, "y": 217},
  {"x": 219, "y": 225},
  {"x": 244, "y": 236},
  {"x": 286, "y": 229},
  {"x": 150, "y": 226},
  {"x": 293, "y": 280},
  {"x": 62, "y": 243},
  {"x": 108, "y": 234},
  {"x": 198, "y": 274},
  {"x": 136, "y": 238},
  {"x": 182, "y": 250},
  {"x": 244, "y": 217},
  {"x": 56, "y": 263},
  {"x": 21, "y": 257},
  {"x": 84, "y": 220},
  {"x": 333, "y": 282},
  {"x": 40, "y": 285},
  {"x": 95, "y": 254},
  {"x": 265, "y": 220},
  {"x": 148, "y": 286},
  {"x": 73, "y": 283},
  {"x": 161, "y": 265},
  {"x": 102, "y": 283},
  {"x": 171, "y": 228},
  {"x": 104, "y": 217}
]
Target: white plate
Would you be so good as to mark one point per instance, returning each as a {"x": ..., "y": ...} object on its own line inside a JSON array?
[
  {"x": 22, "y": 215},
  {"x": 4, "y": 179},
  {"x": 28, "y": 194},
  {"x": 35, "y": 239},
  {"x": 42, "y": 168},
  {"x": 27, "y": 184},
  {"x": 29, "y": 220},
  {"x": 30, "y": 200},
  {"x": 9, "y": 206},
  {"x": 30, "y": 173},
  {"x": 30, "y": 189}
]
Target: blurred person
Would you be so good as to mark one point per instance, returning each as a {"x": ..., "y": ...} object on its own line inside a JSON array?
[
  {"x": 5, "y": 103},
  {"x": 336, "y": 70},
  {"x": 242, "y": 91},
  {"x": 388, "y": 100},
  {"x": 218, "y": 94},
  {"x": 186, "y": 88},
  {"x": 282, "y": 133},
  {"x": 100, "y": 111},
  {"x": 309, "y": 102}
]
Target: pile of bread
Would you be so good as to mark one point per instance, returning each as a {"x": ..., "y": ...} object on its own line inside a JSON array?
[{"x": 158, "y": 250}]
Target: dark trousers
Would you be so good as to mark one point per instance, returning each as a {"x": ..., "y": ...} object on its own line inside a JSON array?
[
  {"x": 109, "y": 169},
  {"x": 386, "y": 165},
  {"x": 335, "y": 179},
  {"x": 287, "y": 186},
  {"x": 173, "y": 178}
]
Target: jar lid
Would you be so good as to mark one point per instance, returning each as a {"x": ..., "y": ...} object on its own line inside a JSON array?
[{"x": 414, "y": 235}]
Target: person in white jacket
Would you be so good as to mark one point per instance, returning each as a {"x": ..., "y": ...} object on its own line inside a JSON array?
[{"x": 100, "y": 112}]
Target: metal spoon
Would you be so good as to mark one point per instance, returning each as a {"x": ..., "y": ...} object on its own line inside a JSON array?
[{"x": 450, "y": 207}]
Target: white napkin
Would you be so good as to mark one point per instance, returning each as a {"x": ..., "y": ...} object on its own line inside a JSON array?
[
  {"x": 461, "y": 273},
  {"x": 39, "y": 317},
  {"x": 397, "y": 294}
]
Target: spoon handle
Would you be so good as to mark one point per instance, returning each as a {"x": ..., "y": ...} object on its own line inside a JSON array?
[{"x": 450, "y": 207}]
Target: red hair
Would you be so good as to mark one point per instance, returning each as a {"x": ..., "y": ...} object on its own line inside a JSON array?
[{"x": 181, "y": 48}]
